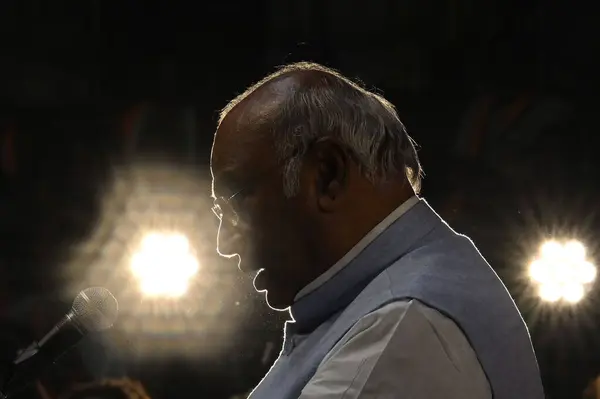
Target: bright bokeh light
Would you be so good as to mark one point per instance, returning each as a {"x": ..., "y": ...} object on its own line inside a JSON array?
[
  {"x": 562, "y": 272},
  {"x": 164, "y": 265},
  {"x": 153, "y": 247}
]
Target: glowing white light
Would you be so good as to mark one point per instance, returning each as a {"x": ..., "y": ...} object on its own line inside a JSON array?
[
  {"x": 575, "y": 250},
  {"x": 573, "y": 292},
  {"x": 551, "y": 250},
  {"x": 537, "y": 272},
  {"x": 164, "y": 265},
  {"x": 586, "y": 272},
  {"x": 550, "y": 292},
  {"x": 562, "y": 272}
]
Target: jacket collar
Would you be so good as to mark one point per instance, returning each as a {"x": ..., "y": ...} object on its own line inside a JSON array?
[{"x": 402, "y": 236}]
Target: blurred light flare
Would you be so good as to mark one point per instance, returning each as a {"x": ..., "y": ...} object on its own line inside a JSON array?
[
  {"x": 154, "y": 249},
  {"x": 562, "y": 272},
  {"x": 164, "y": 265}
]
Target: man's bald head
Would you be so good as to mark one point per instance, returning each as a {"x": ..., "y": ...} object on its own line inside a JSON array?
[
  {"x": 303, "y": 102},
  {"x": 244, "y": 123},
  {"x": 256, "y": 104},
  {"x": 279, "y": 84}
]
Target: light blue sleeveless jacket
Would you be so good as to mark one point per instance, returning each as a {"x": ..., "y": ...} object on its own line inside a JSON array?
[{"x": 418, "y": 257}]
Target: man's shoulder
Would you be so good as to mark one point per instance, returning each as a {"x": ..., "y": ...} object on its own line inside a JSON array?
[
  {"x": 443, "y": 251},
  {"x": 393, "y": 315}
]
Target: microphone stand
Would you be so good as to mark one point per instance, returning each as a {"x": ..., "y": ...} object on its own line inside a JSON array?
[
  {"x": 6, "y": 377},
  {"x": 22, "y": 356}
]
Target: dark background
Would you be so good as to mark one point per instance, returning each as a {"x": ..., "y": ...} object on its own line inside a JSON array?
[{"x": 501, "y": 96}]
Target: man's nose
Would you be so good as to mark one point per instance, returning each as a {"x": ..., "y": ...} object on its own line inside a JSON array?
[{"x": 229, "y": 240}]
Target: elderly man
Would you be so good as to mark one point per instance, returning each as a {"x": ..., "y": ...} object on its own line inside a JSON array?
[{"x": 315, "y": 182}]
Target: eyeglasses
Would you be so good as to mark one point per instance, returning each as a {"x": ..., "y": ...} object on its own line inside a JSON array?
[{"x": 223, "y": 207}]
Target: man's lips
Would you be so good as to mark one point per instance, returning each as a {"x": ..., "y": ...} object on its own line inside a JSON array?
[
  {"x": 259, "y": 281},
  {"x": 249, "y": 261},
  {"x": 248, "y": 266}
]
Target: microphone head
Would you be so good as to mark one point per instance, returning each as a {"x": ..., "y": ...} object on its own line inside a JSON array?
[{"x": 95, "y": 309}]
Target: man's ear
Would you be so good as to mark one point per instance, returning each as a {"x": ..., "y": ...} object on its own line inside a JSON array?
[{"x": 331, "y": 181}]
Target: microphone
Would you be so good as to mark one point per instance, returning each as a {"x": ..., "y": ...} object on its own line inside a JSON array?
[{"x": 94, "y": 309}]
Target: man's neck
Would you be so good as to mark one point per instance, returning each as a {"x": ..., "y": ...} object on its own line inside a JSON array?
[{"x": 358, "y": 245}]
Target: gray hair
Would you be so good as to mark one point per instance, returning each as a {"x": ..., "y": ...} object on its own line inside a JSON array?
[{"x": 328, "y": 105}]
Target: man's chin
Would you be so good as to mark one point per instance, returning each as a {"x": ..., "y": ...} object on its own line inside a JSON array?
[
  {"x": 248, "y": 266},
  {"x": 276, "y": 298},
  {"x": 277, "y": 303}
]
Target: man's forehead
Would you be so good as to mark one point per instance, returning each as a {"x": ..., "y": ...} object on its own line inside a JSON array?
[
  {"x": 259, "y": 105},
  {"x": 241, "y": 144},
  {"x": 230, "y": 154},
  {"x": 234, "y": 164}
]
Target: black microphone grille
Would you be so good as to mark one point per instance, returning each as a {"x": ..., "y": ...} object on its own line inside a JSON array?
[{"x": 95, "y": 309}]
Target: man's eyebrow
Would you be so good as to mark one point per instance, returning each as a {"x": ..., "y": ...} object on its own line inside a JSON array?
[{"x": 228, "y": 182}]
